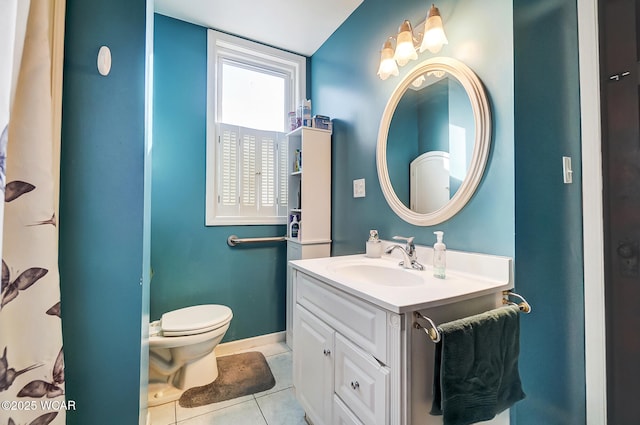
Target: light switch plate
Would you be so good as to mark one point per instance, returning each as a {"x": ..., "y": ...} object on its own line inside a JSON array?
[
  {"x": 359, "y": 188},
  {"x": 567, "y": 172}
]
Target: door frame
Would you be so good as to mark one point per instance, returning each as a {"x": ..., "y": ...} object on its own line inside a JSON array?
[{"x": 592, "y": 212}]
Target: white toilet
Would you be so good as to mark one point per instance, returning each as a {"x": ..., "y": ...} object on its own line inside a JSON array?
[{"x": 181, "y": 347}]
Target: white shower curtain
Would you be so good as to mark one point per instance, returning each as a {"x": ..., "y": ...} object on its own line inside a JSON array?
[{"x": 31, "y": 360}]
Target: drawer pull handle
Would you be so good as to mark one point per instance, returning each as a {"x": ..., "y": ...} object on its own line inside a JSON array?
[
  {"x": 326, "y": 352},
  {"x": 355, "y": 385}
]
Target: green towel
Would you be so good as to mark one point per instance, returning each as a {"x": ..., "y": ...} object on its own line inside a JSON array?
[{"x": 476, "y": 367}]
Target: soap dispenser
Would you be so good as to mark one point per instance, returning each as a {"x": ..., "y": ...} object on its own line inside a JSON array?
[
  {"x": 439, "y": 256},
  {"x": 374, "y": 246},
  {"x": 293, "y": 227}
]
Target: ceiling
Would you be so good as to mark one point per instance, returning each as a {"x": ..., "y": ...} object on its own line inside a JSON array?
[{"x": 299, "y": 26}]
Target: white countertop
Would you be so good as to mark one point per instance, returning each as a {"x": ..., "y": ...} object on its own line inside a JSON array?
[{"x": 470, "y": 275}]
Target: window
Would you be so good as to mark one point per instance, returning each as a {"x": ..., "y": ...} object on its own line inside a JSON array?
[{"x": 250, "y": 90}]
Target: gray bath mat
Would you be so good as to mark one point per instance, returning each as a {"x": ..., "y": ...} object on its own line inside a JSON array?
[{"x": 238, "y": 375}]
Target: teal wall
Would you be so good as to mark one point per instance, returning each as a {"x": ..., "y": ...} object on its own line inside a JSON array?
[
  {"x": 192, "y": 263},
  {"x": 548, "y": 213},
  {"x": 102, "y": 210},
  {"x": 345, "y": 86},
  {"x": 521, "y": 209}
]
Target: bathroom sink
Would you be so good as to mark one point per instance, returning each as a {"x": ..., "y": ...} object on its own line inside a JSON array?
[
  {"x": 386, "y": 275},
  {"x": 382, "y": 282}
]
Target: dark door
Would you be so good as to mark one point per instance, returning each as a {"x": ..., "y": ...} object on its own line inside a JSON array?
[{"x": 621, "y": 172}]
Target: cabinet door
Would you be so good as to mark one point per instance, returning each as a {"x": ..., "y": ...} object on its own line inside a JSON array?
[{"x": 313, "y": 366}]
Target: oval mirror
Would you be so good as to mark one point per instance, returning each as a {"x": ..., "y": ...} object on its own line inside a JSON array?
[{"x": 433, "y": 141}]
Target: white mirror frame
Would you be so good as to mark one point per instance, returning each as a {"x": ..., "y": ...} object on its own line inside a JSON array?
[{"x": 482, "y": 143}]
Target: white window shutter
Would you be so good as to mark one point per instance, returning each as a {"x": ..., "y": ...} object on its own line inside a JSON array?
[
  {"x": 252, "y": 180},
  {"x": 249, "y": 174},
  {"x": 269, "y": 164},
  {"x": 283, "y": 168},
  {"x": 227, "y": 198}
]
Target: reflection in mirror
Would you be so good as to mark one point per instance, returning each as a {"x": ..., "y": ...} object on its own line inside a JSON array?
[
  {"x": 430, "y": 141},
  {"x": 433, "y": 141}
]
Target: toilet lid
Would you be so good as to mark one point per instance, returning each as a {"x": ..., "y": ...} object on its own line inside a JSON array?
[{"x": 189, "y": 319}]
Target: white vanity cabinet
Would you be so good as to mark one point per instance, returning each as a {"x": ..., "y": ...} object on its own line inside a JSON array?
[
  {"x": 342, "y": 357},
  {"x": 327, "y": 363},
  {"x": 357, "y": 358}
]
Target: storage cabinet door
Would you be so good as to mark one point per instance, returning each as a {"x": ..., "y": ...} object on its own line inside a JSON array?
[
  {"x": 361, "y": 382},
  {"x": 313, "y": 366}
]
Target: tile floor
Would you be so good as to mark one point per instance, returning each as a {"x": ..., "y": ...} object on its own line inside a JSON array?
[{"x": 276, "y": 406}]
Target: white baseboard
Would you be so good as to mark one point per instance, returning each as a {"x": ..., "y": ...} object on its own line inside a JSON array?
[{"x": 231, "y": 347}]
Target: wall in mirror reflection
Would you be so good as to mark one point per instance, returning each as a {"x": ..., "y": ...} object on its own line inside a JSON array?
[{"x": 433, "y": 128}]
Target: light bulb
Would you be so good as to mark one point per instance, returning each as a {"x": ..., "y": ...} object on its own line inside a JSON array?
[
  {"x": 434, "y": 37},
  {"x": 387, "y": 63},
  {"x": 405, "y": 49}
]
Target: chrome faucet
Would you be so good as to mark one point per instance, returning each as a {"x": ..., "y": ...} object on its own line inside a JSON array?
[{"x": 408, "y": 252}]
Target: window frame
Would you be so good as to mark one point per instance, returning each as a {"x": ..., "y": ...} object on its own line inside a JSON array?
[{"x": 223, "y": 47}]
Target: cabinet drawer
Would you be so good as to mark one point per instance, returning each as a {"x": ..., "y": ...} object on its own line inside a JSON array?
[
  {"x": 359, "y": 321},
  {"x": 361, "y": 382},
  {"x": 342, "y": 415}
]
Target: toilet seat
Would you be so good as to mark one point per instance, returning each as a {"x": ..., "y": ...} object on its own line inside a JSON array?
[{"x": 195, "y": 319}]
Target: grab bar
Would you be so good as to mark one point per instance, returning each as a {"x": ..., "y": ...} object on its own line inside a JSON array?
[
  {"x": 432, "y": 330},
  {"x": 234, "y": 240}
]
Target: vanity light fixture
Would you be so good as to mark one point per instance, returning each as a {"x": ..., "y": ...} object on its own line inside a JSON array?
[
  {"x": 387, "y": 63},
  {"x": 434, "y": 37},
  {"x": 406, "y": 49}
]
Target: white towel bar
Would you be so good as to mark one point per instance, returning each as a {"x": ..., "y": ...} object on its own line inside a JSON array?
[
  {"x": 524, "y": 306},
  {"x": 432, "y": 330}
]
